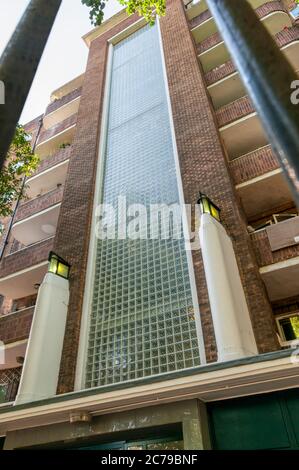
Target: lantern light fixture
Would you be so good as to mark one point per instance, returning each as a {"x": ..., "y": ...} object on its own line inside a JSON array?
[
  {"x": 58, "y": 266},
  {"x": 208, "y": 207}
]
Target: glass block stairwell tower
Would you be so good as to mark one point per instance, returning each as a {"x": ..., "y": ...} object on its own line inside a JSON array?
[{"x": 143, "y": 315}]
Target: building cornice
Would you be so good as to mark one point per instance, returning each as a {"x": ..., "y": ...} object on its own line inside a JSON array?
[
  {"x": 104, "y": 27},
  {"x": 250, "y": 376}
]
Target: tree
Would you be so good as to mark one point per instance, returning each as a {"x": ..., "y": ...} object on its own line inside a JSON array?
[
  {"x": 21, "y": 162},
  {"x": 146, "y": 8}
]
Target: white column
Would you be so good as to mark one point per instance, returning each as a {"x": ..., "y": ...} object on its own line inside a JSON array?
[
  {"x": 42, "y": 361},
  {"x": 231, "y": 319}
]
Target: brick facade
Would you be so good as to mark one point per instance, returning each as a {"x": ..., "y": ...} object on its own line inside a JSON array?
[
  {"x": 38, "y": 204},
  {"x": 57, "y": 129},
  {"x": 60, "y": 156},
  {"x": 63, "y": 101},
  {"x": 263, "y": 252},
  {"x": 253, "y": 164},
  {"x": 26, "y": 258},
  {"x": 16, "y": 326},
  {"x": 204, "y": 167},
  {"x": 234, "y": 111}
]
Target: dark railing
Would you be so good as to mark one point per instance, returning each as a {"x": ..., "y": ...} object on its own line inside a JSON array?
[{"x": 9, "y": 384}]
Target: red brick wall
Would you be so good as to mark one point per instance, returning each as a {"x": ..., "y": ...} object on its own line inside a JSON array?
[
  {"x": 263, "y": 252},
  {"x": 253, "y": 164},
  {"x": 61, "y": 126},
  {"x": 204, "y": 167},
  {"x": 23, "y": 259},
  {"x": 60, "y": 156},
  {"x": 64, "y": 100},
  {"x": 16, "y": 326},
  {"x": 28, "y": 208},
  {"x": 233, "y": 111}
]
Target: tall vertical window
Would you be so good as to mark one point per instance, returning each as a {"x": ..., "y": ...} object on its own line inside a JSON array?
[{"x": 142, "y": 319}]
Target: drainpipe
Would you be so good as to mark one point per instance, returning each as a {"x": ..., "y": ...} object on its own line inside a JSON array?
[
  {"x": 5, "y": 243},
  {"x": 19, "y": 62},
  {"x": 268, "y": 77}
]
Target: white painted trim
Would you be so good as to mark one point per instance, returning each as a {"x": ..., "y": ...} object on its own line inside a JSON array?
[
  {"x": 281, "y": 317},
  {"x": 233, "y": 382},
  {"x": 200, "y": 336},
  {"x": 62, "y": 107},
  {"x": 7, "y": 315},
  {"x": 48, "y": 170},
  {"x": 127, "y": 31},
  {"x": 196, "y": 28},
  {"x": 23, "y": 271},
  {"x": 280, "y": 265},
  {"x": 210, "y": 50},
  {"x": 238, "y": 121},
  {"x": 91, "y": 263},
  {"x": 257, "y": 179},
  {"x": 43, "y": 142},
  {"x": 222, "y": 80},
  {"x": 37, "y": 214}
]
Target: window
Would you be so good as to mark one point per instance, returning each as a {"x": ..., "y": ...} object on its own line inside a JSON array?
[
  {"x": 289, "y": 327},
  {"x": 295, "y": 13}
]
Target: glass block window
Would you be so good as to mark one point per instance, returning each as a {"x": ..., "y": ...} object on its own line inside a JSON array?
[{"x": 142, "y": 318}]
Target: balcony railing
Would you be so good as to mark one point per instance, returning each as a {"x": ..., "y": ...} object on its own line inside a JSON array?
[
  {"x": 253, "y": 164},
  {"x": 60, "y": 156},
  {"x": 47, "y": 134},
  {"x": 26, "y": 257},
  {"x": 16, "y": 326},
  {"x": 234, "y": 111},
  {"x": 9, "y": 384},
  {"x": 63, "y": 101},
  {"x": 262, "y": 246},
  {"x": 39, "y": 204}
]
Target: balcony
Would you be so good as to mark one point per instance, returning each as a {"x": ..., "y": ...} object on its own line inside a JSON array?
[
  {"x": 37, "y": 219},
  {"x": 212, "y": 50},
  {"x": 23, "y": 270},
  {"x": 62, "y": 108},
  {"x": 224, "y": 82},
  {"x": 195, "y": 8},
  {"x": 59, "y": 135},
  {"x": 277, "y": 255},
  {"x": 9, "y": 384},
  {"x": 16, "y": 326},
  {"x": 241, "y": 128},
  {"x": 253, "y": 165},
  {"x": 51, "y": 172}
]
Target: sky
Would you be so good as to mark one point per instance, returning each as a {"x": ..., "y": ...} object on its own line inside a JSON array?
[{"x": 65, "y": 55}]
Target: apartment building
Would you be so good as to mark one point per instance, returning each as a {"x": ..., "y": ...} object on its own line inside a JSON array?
[{"x": 141, "y": 343}]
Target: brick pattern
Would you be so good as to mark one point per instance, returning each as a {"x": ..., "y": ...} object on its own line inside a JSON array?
[
  {"x": 72, "y": 236},
  {"x": 59, "y": 127},
  {"x": 263, "y": 252},
  {"x": 204, "y": 16},
  {"x": 235, "y": 110},
  {"x": 16, "y": 326},
  {"x": 204, "y": 167},
  {"x": 287, "y": 36},
  {"x": 63, "y": 101},
  {"x": 220, "y": 72},
  {"x": 38, "y": 204},
  {"x": 211, "y": 41},
  {"x": 289, "y": 305},
  {"x": 26, "y": 258},
  {"x": 270, "y": 7},
  {"x": 253, "y": 164},
  {"x": 60, "y": 156}
]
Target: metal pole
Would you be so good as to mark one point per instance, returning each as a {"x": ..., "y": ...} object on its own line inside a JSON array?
[
  {"x": 19, "y": 62},
  {"x": 268, "y": 77}
]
